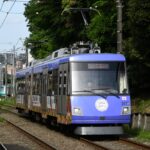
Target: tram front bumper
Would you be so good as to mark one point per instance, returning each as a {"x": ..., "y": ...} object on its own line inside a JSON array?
[{"x": 104, "y": 130}]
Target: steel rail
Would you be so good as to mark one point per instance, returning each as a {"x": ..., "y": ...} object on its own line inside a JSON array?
[
  {"x": 135, "y": 144},
  {"x": 10, "y": 111},
  {"x": 122, "y": 140},
  {"x": 9, "y": 106},
  {"x": 97, "y": 146},
  {"x": 2, "y": 147},
  {"x": 34, "y": 138}
]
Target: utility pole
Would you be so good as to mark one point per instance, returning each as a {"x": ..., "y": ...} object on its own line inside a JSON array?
[
  {"x": 26, "y": 56},
  {"x": 14, "y": 71},
  {"x": 6, "y": 74},
  {"x": 1, "y": 74},
  {"x": 119, "y": 26}
]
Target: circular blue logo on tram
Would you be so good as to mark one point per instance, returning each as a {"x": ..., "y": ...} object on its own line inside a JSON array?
[{"x": 101, "y": 104}]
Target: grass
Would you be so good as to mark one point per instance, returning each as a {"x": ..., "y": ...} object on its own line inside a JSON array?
[
  {"x": 7, "y": 101},
  {"x": 144, "y": 135},
  {"x": 1, "y": 120},
  {"x": 139, "y": 134},
  {"x": 141, "y": 105}
]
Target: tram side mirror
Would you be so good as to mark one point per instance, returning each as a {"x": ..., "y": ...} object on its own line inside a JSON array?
[{"x": 124, "y": 91}]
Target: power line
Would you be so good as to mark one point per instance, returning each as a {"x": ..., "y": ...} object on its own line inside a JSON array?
[
  {"x": 16, "y": 1},
  {"x": 2, "y": 5},
  {"x": 17, "y": 13},
  {"x": 7, "y": 14}
]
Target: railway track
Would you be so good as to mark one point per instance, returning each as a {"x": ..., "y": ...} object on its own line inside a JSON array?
[
  {"x": 96, "y": 146},
  {"x": 104, "y": 145},
  {"x": 2, "y": 147},
  {"x": 135, "y": 144},
  {"x": 12, "y": 110},
  {"x": 32, "y": 137},
  {"x": 122, "y": 143}
]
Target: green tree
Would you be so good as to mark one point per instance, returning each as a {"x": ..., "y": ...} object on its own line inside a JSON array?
[
  {"x": 46, "y": 23},
  {"x": 102, "y": 28},
  {"x": 43, "y": 21},
  {"x": 136, "y": 43}
]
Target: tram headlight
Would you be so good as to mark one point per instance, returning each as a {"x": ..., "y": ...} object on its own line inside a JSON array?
[
  {"x": 77, "y": 111},
  {"x": 126, "y": 110}
]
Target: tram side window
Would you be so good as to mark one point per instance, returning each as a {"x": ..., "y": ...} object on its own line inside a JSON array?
[
  {"x": 123, "y": 87},
  {"x": 60, "y": 82},
  {"x": 18, "y": 87},
  {"x": 55, "y": 82},
  {"x": 21, "y": 86},
  {"x": 65, "y": 83},
  {"x": 28, "y": 84},
  {"x": 44, "y": 84},
  {"x": 39, "y": 84},
  {"x": 35, "y": 88},
  {"x": 34, "y": 85},
  {"x": 49, "y": 89},
  {"x": 24, "y": 85}
]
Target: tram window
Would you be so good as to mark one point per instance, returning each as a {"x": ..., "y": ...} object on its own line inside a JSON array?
[
  {"x": 65, "y": 82},
  {"x": 64, "y": 90},
  {"x": 36, "y": 85},
  {"x": 20, "y": 86},
  {"x": 23, "y": 85},
  {"x": 55, "y": 82},
  {"x": 28, "y": 84},
  {"x": 65, "y": 77},
  {"x": 60, "y": 82},
  {"x": 36, "y": 80},
  {"x": 45, "y": 84},
  {"x": 59, "y": 90},
  {"x": 60, "y": 77},
  {"x": 123, "y": 87},
  {"x": 40, "y": 85},
  {"x": 49, "y": 89},
  {"x": 56, "y": 54},
  {"x": 33, "y": 85}
]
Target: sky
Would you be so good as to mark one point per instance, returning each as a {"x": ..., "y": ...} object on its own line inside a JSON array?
[{"x": 14, "y": 29}]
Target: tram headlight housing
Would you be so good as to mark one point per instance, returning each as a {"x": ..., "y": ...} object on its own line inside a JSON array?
[
  {"x": 77, "y": 111},
  {"x": 126, "y": 110}
]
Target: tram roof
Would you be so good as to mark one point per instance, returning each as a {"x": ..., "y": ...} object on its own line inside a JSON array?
[
  {"x": 53, "y": 64},
  {"x": 97, "y": 57}
]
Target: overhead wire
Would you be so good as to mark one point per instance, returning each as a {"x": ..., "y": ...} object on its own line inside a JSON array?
[
  {"x": 17, "y": 13},
  {"x": 14, "y": 1},
  {"x": 23, "y": 1},
  {"x": 19, "y": 1},
  {"x": 9, "y": 11},
  {"x": 2, "y": 5},
  {"x": 7, "y": 14}
]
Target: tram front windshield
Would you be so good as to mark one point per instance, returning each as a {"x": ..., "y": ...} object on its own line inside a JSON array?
[{"x": 98, "y": 78}]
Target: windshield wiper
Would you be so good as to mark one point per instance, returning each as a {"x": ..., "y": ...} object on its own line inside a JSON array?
[
  {"x": 112, "y": 94},
  {"x": 107, "y": 90},
  {"x": 90, "y": 91}
]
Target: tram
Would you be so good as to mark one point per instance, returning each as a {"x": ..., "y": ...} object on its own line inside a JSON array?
[{"x": 77, "y": 87}]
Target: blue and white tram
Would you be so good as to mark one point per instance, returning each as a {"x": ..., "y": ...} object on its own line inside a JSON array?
[{"x": 86, "y": 91}]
